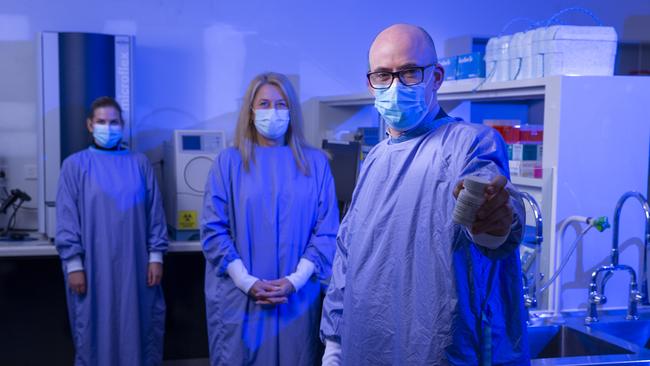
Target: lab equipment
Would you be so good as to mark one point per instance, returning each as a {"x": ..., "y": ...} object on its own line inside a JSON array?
[
  {"x": 515, "y": 55},
  {"x": 600, "y": 223},
  {"x": 14, "y": 196},
  {"x": 530, "y": 265},
  {"x": 70, "y": 79},
  {"x": 15, "y": 199},
  {"x": 368, "y": 136},
  {"x": 646, "y": 240},
  {"x": 270, "y": 217},
  {"x": 469, "y": 200},
  {"x": 497, "y": 58},
  {"x": 490, "y": 59},
  {"x": 575, "y": 50},
  {"x": 552, "y": 49},
  {"x": 345, "y": 163},
  {"x": 3, "y": 174},
  {"x": 110, "y": 215},
  {"x": 596, "y": 296},
  {"x": 521, "y": 56},
  {"x": 188, "y": 158}
]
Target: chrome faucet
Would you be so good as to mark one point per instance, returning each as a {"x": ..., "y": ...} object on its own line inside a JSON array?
[
  {"x": 596, "y": 296},
  {"x": 615, "y": 252},
  {"x": 529, "y": 280}
]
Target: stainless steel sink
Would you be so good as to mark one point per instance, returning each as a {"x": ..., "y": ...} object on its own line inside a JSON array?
[
  {"x": 634, "y": 331},
  {"x": 554, "y": 341}
]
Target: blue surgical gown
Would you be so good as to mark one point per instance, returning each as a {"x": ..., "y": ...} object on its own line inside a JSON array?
[
  {"x": 408, "y": 286},
  {"x": 109, "y": 212},
  {"x": 269, "y": 217}
]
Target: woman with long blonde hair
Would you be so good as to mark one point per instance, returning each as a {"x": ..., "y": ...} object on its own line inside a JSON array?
[{"x": 268, "y": 232}]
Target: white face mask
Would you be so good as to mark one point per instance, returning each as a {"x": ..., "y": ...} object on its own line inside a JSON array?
[
  {"x": 272, "y": 123},
  {"x": 107, "y": 136},
  {"x": 403, "y": 107}
]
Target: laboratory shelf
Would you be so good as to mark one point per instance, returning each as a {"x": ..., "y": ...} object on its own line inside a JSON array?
[
  {"x": 527, "y": 182},
  {"x": 466, "y": 90},
  {"x": 348, "y": 100},
  {"x": 477, "y": 90}
]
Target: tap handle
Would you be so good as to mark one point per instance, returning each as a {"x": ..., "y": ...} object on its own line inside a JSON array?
[
  {"x": 635, "y": 295},
  {"x": 638, "y": 297},
  {"x": 597, "y": 298}
]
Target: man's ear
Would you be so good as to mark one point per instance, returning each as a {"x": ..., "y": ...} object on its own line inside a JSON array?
[{"x": 438, "y": 76}]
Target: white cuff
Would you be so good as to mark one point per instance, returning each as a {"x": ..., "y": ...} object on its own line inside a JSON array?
[
  {"x": 332, "y": 355},
  {"x": 156, "y": 257},
  {"x": 486, "y": 240},
  {"x": 74, "y": 264},
  {"x": 239, "y": 275},
  {"x": 304, "y": 270}
]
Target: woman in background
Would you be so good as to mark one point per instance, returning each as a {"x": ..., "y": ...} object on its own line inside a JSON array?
[
  {"x": 111, "y": 236},
  {"x": 268, "y": 232}
]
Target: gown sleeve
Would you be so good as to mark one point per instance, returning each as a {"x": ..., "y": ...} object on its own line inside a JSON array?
[
  {"x": 216, "y": 233},
  {"x": 157, "y": 240},
  {"x": 332, "y": 318},
  {"x": 487, "y": 157},
  {"x": 322, "y": 244},
  {"x": 68, "y": 224}
]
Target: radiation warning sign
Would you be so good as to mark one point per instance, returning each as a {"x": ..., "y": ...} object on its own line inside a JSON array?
[{"x": 187, "y": 220}]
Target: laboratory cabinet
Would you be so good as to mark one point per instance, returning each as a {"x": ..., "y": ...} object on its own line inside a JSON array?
[
  {"x": 596, "y": 146},
  {"x": 34, "y": 325}
]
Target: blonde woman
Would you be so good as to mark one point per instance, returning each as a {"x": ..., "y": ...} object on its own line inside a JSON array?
[{"x": 268, "y": 232}]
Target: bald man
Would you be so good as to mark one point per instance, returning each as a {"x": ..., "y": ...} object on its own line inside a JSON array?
[{"x": 409, "y": 286}]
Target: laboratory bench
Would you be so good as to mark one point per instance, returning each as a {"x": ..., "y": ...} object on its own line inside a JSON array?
[
  {"x": 42, "y": 247},
  {"x": 34, "y": 327}
]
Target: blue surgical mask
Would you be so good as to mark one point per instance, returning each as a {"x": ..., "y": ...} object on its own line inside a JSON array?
[
  {"x": 403, "y": 107},
  {"x": 107, "y": 136},
  {"x": 272, "y": 123}
]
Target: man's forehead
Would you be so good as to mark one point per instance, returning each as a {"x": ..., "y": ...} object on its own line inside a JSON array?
[
  {"x": 391, "y": 54},
  {"x": 401, "y": 45}
]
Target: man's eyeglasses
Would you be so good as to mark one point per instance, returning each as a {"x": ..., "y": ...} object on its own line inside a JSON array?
[{"x": 409, "y": 76}]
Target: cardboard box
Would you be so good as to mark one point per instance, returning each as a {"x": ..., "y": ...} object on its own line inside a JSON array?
[
  {"x": 525, "y": 152},
  {"x": 508, "y": 128},
  {"x": 531, "y": 133},
  {"x": 528, "y": 169},
  {"x": 450, "y": 65},
  {"x": 470, "y": 65}
]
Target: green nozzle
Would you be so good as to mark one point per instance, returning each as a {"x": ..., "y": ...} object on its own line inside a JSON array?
[{"x": 601, "y": 223}]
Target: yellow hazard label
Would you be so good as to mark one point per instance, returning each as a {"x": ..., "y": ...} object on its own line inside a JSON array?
[{"x": 187, "y": 220}]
